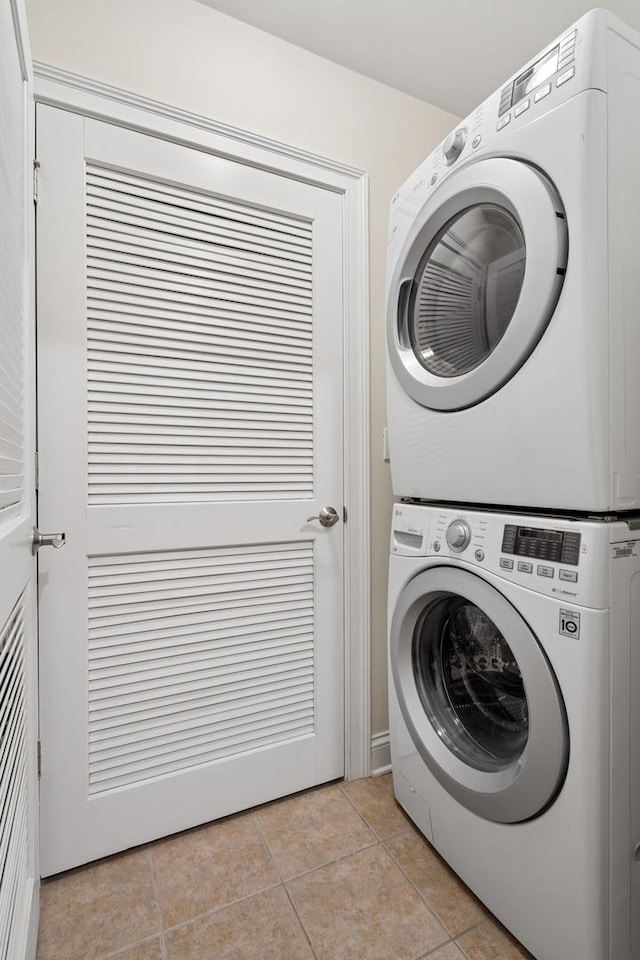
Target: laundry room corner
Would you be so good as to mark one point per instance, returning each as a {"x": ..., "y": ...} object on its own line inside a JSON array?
[{"x": 182, "y": 53}]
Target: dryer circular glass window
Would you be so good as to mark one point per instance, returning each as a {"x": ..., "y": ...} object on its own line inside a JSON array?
[
  {"x": 470, "y": 683},
  {"x": 478, "y": 695},
  {"x": 476, "y": 284},
  {"x": 466, "y": 289}
]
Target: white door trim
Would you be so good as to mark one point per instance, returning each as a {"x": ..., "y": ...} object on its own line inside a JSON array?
[{"x": 101, "y": 101}]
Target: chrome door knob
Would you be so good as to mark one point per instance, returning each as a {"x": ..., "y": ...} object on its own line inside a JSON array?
[
  {"x": 327, "y": 517},
  {"x": 38, "y": 540}
]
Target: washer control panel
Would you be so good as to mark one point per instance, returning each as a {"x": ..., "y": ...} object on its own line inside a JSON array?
[{"x": 555, "y": 556}]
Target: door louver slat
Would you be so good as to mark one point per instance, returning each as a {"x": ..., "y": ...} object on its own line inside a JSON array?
[
  {"x": 200, "y": 346},
  {"x": 14, "y": 844},
  {"x": 174, "y": 688}
]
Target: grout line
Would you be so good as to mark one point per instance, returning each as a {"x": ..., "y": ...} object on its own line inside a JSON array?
[
  {"x": 300, "y": 921},
  {"x": 284, "y": 886},
  {"x": 431, "y": 909},
  {"x": 327, "y": 863},
  {"x": 208, "y": 913},
  {"x": 358, "y": 811},
  {"x": 130, "y": 946},
  {"x": 158, "y": 903},
  {"x": 405, "y": 826},
  {"x": 265, "y": 843}
]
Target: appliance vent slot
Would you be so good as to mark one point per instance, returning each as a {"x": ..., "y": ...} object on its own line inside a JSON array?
[
  {"x": 200, "y": 346},
  {"x": 14, "y": 842},
  {"x": 197, "y": 655}
]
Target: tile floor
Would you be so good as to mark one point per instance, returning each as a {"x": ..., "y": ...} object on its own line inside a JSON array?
[{"x": 336, "y": 873}]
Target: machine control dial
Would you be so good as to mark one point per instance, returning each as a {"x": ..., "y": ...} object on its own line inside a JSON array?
[
  {"x": 454, "y": 145},
  {"x": 458, "y": 535}
]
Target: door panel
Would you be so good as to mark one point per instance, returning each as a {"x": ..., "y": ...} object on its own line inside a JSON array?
[
  {"x": 190, "y": 404},
  {"x": 18, "y": 785}
]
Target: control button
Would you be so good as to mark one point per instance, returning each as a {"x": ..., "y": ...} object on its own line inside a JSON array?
[
  {"x": 436, "y": 546},
  {"x": 545, "y": 572},
  {"x": 571, "y": 575},
  {"x": 565, "y": 76},
  {"x": 479, "y": 555},
  {"x": 477, "y": 140},
  {"x": 565, "y": 60},
  {"x": 525, "y": 567},
  {"x": 433, "y": 179},
  {"x": 503, "y": 122},
  {"x": 506, "y": 564},
  {"x": 522, "y": 107},
  {"x": 542, "y": 92},
  {"x": 454, "y": 145},
  {"x": 458, "y": 535}
]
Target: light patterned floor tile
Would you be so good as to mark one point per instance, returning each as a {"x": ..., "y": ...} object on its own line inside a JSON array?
[
  {"x": 449, "y": 952},
  {"x": 490, "y": 941},
  {"x": 311, "y": 829},
  {"x": 97, "y": 909},
  {"x": 151, "y": 950},
  {"x": 264, "y": 926},
  {"x": 375, "y": 801},
  {"x": 363, "y": 908},
  {"x": 210, "y": 867},
  {"x": 443, "y": 890}
]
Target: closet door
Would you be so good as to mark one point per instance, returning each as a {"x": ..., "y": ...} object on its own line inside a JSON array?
[
  {"x": 18, "y": 784},
  {"x": 190, "y": 415}
]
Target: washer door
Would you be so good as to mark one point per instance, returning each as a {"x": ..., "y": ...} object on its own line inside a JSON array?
[
  {"x": 478, "y": 695},
  {"x": 477, "y": 283}
]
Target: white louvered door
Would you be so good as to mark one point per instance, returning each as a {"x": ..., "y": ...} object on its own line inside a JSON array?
[
  {"x": 18, "y": 780},
  {"x": 190, "y": 421}
]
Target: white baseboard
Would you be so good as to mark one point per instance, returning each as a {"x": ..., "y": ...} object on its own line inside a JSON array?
[{"x": 380, "y": 754}]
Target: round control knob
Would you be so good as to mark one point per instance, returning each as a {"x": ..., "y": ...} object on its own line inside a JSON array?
[
  {"x": 454, "y": 145},
  {"x": 458, "y": 535}
]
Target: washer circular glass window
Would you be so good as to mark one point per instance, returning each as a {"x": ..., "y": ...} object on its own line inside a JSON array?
[
  {"x": 466, "y": 289},
  {"x": 477, "y": 694},
  {"x": 470, "y": 684}
]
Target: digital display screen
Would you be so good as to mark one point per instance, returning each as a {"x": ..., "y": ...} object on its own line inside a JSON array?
[
  {"x": 537, "y": 543},
  {"x": 536, "y": 74},
  {"x": 552, "y": 535}
]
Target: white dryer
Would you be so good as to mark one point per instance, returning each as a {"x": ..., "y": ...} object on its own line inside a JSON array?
[
  {"x": 513, "y": 286},
  {"x": 515, "y": 719}
]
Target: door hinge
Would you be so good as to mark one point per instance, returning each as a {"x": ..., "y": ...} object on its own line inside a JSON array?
[
  {"x": 39, "y": 758},
  {"x": 344, "y": 514},
  {"x": 36, "y": 470},
  {"x": 36, "y": 175}
]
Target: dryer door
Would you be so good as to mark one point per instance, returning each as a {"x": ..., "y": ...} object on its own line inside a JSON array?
[
  {"x": 478, "y": 695},
  {"x": 476, "y": 284}
]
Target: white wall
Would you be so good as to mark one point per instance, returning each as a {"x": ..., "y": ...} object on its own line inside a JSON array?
[{"x": 185, "y": 54}]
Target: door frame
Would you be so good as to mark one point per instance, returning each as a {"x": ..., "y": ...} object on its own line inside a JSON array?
[{"x": 100, "y": 101}]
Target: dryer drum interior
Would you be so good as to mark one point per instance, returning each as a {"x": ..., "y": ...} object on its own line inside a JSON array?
[
  {"x": 467, "y": 287},
  {"x": 477, "y": 283},
  {"x": 478, "y": 695}
]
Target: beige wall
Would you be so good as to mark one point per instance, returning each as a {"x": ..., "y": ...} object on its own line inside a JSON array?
[{"x": 185, "y": 54}]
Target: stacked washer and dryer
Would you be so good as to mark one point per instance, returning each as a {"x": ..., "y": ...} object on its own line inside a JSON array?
[{"x": 514, "y": 428}]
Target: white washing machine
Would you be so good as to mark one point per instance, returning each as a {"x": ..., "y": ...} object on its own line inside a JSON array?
[
  {"x": 513, "y": 283},
  {"x": 515, "y": 716}
]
